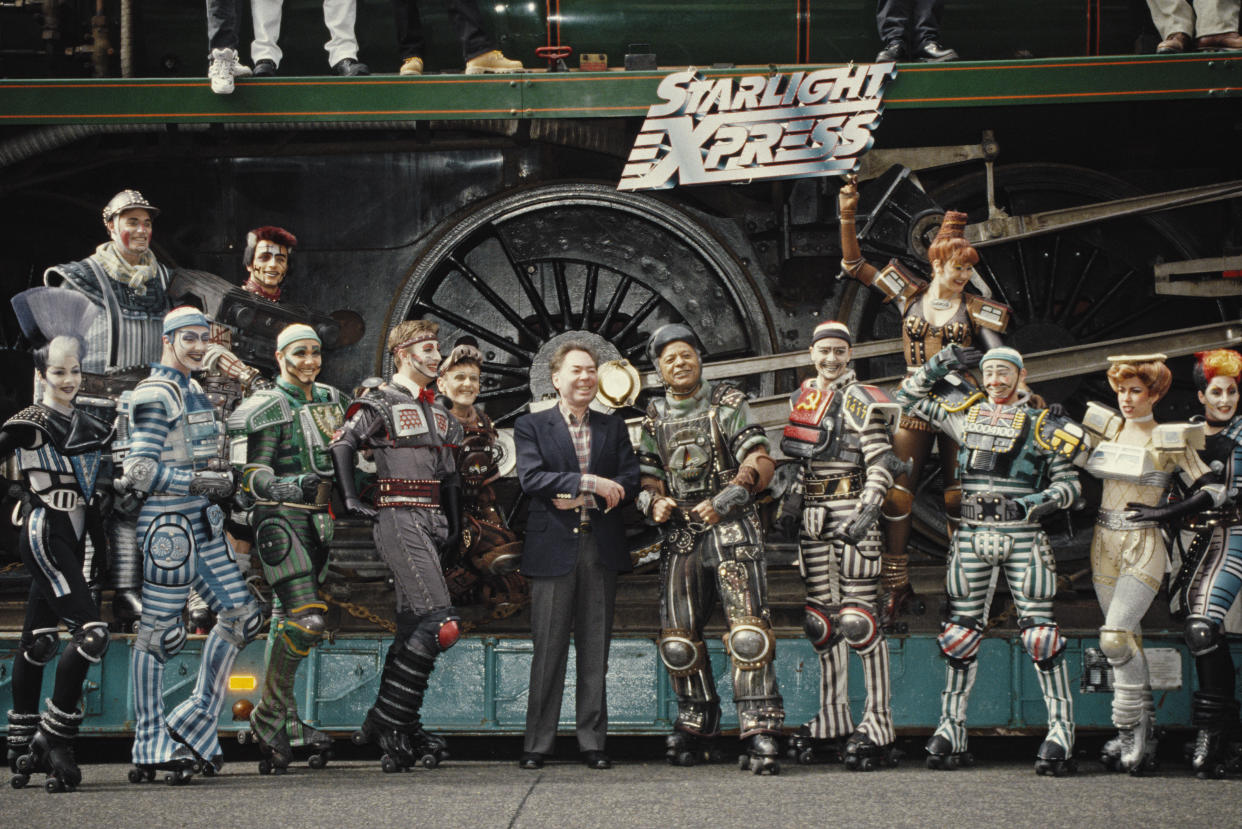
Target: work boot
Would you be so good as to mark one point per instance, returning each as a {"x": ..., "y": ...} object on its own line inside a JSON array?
[
  {"x": 493, "y": 63},
  {"x": 411, "y": 66}
]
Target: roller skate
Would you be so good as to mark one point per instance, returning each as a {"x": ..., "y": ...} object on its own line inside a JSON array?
[
  {"x": 198, "y": 764},
  {"x": 805, "y": 749},
  {"x": 1110, "y": 753},
  {"x": 863, "y": 754},
  {"x": 51, "y": 750},
  {"x": 22, "y": 728},
  {"x": 761, "y": 755},
  {"x": 432, "y": 749},
  {"x": 1208, "y": 758},
  {"x": 940, "y": 755},
  {"x": 1053, "y": 759},
  {"x": 1138, "y": 747},
  {"x": 177, "y": 772},
  {"x": 275, "y": 753},
  {"x": 320, "y": 744},
  {"x": 682, "y": 748},
  {"x": 393, "y": 740}
]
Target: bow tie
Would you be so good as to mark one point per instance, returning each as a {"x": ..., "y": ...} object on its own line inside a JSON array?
[{"x": 427, "y": 396}]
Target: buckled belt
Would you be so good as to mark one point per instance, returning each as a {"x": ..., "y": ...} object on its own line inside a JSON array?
[
  {"x": 584, "y": 527},
  {"x": 402, "y": 492},
  {"x": 986, "y": 508},
  {"x": 1115, "y": 519},
  {"x": 833, "y": 486}
]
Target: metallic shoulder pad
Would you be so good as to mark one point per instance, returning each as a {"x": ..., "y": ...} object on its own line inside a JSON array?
[
  {"x": 259, "y": 411},
  {"x": 1178, "y": 437},
  {"x": 727, "y": 394},
  {"x": 334, "y": 394},
  {"x": 78, "y": 275},
  {"x": 986, "y": 313},
  {"x": 956, "y": 392},
  {"x": 371, "y": 384},
  {"x": 1059, "y": 435},
  {"x": 862, "y": 400},
  {"x": 1102, "y": 422},
  {"x": 896, "y": 280}
]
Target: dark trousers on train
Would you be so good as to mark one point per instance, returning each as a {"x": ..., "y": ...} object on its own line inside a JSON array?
[
  {"x": 913, "y": 21},
  {"x": 467, "y": 21}
]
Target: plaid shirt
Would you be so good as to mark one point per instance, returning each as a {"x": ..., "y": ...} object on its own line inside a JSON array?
[{"x": 580, "y": 436}]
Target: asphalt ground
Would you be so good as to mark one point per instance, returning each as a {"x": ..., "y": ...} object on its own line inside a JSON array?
[{"x": 486, "y": 789}]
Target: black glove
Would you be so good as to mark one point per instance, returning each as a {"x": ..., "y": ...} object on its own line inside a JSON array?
[
  {"x": 1056, "y": 410},
  {"x": 343, "y": 464},
  {"x": 963, "y": 356},
  {"x": 309, "y": 484},
  {"x": 450, "y": 502},
  {"x": 855, "y": 528},
  {"x": 1197, "y": 502}
]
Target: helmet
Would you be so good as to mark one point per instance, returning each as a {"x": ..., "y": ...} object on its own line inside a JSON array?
[
  {"x": 670, "y": 333},
  {"x": 125, "y": 200}
]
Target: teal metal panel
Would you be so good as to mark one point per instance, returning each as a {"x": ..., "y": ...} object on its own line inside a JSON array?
[{"x": 480, "y": 685}]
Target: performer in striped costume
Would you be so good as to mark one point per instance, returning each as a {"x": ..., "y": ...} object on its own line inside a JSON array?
[
  {"x": 279, "y": 442},
  {"x": 1016, "y": 466},
  {"x": 174, "y": 462},
  {"x": 841, "y": 430},
  {"x": 60, "y": 452}
]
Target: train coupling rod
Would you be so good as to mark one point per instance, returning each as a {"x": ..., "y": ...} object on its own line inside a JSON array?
[{"x": 1001, "y": 228}]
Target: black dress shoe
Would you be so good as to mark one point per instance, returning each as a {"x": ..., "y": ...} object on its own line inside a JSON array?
[
  {"x": 596, "y": 760},
  {"x": 932, "y": 52},
  {"x": 893, "y": 50},
  {"x": 265, "y": 68},
  {"x": 531, "y": 760},
  {"x": 350, "y": 68}
]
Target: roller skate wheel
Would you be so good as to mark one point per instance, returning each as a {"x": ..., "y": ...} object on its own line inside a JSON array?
[
  {"x": 25, "y": 765},
  {"x": 207, "y": 769},
  {"x": 686, "y": 758},
  {"x": 358, "y": 738},
  {"x": 389, "y": 765},
  {"x": 429, "y": 761},
  {"x": 743, "y": 762},
  {"x": 317, "y": 761},
  {"x": 54, "y": 785},
  {"x": 136, "y": 775},
  {"x": 866, "y": 764},
  {"x": 265, "y": 767},
  {"x": 172, "y": 778},
  {"x": 19, "y": 781}
]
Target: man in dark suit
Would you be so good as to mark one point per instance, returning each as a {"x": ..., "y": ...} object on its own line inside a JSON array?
[{"x": 577, "y": 466}]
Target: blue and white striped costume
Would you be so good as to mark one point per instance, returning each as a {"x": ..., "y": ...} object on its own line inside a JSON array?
[
  {"x": 1014, "y": 461},
  {"x": 183, "y": 546}
]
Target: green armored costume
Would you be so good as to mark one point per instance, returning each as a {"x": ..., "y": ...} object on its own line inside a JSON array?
[{"x": 279, "y": 440}]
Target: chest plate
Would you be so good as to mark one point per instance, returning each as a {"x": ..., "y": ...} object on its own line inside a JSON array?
[{"x": 689, "y": 451}]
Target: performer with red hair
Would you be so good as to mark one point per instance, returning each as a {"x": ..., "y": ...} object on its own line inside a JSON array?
[{"x": 1136, "y": 459}]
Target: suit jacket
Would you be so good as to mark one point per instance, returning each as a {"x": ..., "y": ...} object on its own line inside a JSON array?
[{"x": 548, "y": 469}]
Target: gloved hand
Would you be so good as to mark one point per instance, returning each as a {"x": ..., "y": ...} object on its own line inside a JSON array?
[
  {"x": 733, "y": 496},
  {"x": 343, "y": 465},
  {"x": 450, "y": 502},
  {"x": 216, "y": 485},
  {"x": 286, "y": 491},
  {"x": 1015, "y": 511},
  {"x": 957, "y": 357},
  {"x": 856, "y": 526},
  {"x": 309, "y": 484}
]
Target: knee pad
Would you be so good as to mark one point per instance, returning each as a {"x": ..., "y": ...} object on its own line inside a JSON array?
[
  {"x": 1203, "y": 635},
  {"x": 429, "y": 633},
  {"x": 1119, "y": 645},
  {"x": 897, "y": 503},
  {"x": 1042, "y": 640},
  {"x": 960, "y": 638},
  {"x": 91, "y": 640},
  {"x": 43, "y": 646},
  {"x": 953, "y": 502},
  {"x": 163, "y": 640},
  {"x": 681, "y": 655},
  {"x": 750, "y": 643},
  {"x": 304, "y": 627},
  {"x": 858, "y": 626},
  {"x": 240, "y": 625},
  {"x": 817, "y": 625}
]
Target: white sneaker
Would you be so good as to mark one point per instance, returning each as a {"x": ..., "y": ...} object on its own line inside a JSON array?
[
  {"x": 220, "y": 70},
  {"x": 240, "y": 70}
]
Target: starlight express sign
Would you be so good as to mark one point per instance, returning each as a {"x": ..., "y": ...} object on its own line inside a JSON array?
[{"x": 792, "y": 125}]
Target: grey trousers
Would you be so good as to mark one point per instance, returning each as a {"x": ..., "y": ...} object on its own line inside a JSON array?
[{"x": 582, "y": 601}]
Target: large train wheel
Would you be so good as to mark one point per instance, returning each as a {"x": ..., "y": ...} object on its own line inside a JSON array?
[
  {"x": 1084, "y": 285},
  {"x": 531, "y": 265}
]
